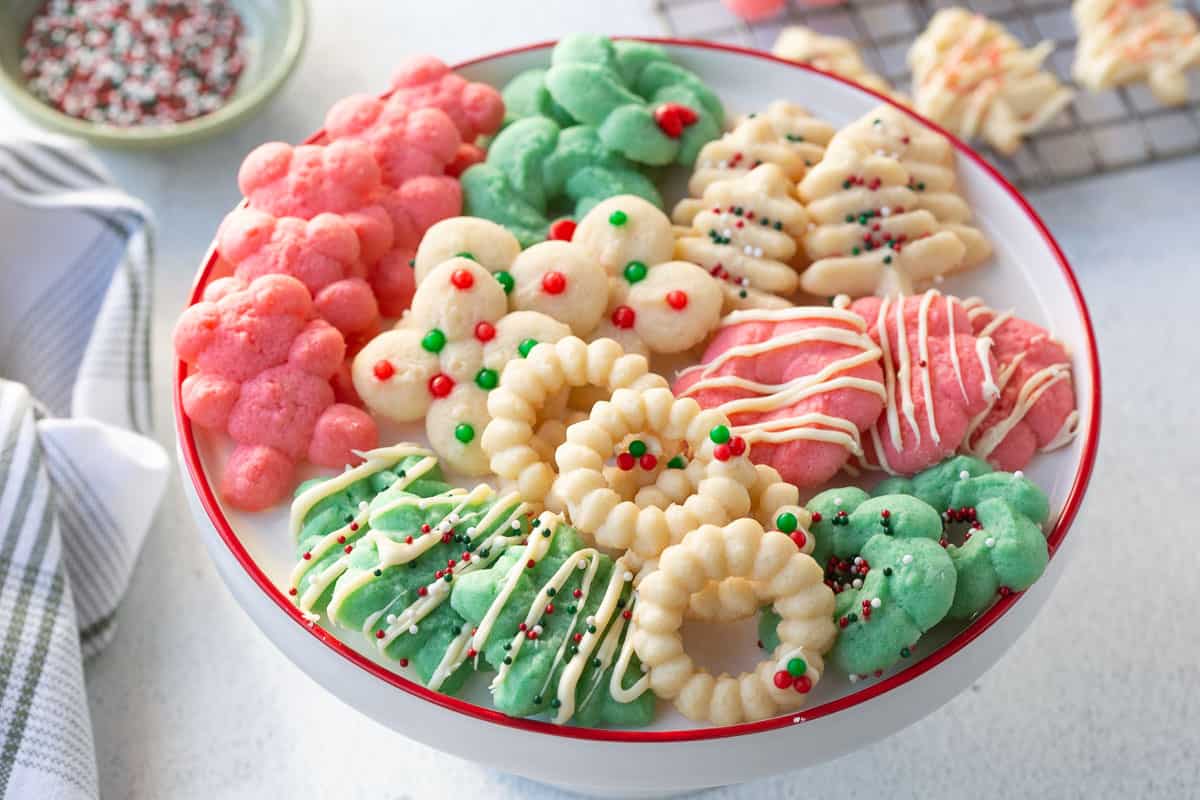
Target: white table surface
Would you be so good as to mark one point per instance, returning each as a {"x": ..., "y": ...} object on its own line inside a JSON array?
[{"x": 1099, "y": 698}]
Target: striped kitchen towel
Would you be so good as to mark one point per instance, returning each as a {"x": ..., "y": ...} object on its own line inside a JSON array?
[{"x": 79, "y": 477}]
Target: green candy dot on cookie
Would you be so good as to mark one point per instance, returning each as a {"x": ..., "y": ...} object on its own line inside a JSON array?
[
  {"x": 635, "y": 271},
  {"x": 464, "y": 432},
  {"x": 433, "y": 341},
  {"x": 506, "y": 280},
  {"x": 526, "y": 346}
]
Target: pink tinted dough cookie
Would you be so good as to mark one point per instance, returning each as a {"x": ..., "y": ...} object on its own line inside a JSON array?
[
  {"x": 937, "y": 377},
  {"x": 406, "y": 143},
  {"x": 799, "y": 384},
  {"x": 261, "y": 367},
  {"x": 1036, "y": 408},
  {"x": 341, "y": 178},
  {"x": 425, "y": 82},
  {"x": 322, "y": 253}
]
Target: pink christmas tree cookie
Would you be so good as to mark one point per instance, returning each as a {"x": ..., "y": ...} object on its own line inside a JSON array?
[
  {"x": 937, "y": 375},
  {"x": 800, "y": 384},
  {"x": 1035, "y": 411},
  {"x": 342, "y": 178},
  {"x": 261, "y": 362},
  {"x": 322, "y": 253}
]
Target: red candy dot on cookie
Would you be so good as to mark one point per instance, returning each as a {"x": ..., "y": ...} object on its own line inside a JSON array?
[
  {"x": 384, "y": 370},
  {"x": 672, "y": 118},
  {"x": 737, "y": 445},
  {"x": 623, "y": 317},
  {"x": 799, "y": 539},
  {"x": 721, "y": 452},
  {"x": 782, "y": 679},
  {"x": 554, "y": 283},
  {"x": 441, "y": 385},
  {"x": 677, "y": 299},
  {"x": 803, "y": 684},
  {"x": 462, "y": 279},
  {"x": 485, "y": 331},
  {"x": 626, "y": 461},
  {"x": 562, "y": 230},
  {"x": 649, "y": 461}
]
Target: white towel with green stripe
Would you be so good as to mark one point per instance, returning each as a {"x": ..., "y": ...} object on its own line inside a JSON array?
[{"x": 79, "y": 477}]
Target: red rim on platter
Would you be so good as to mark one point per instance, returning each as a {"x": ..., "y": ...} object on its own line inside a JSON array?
[{"x": 208, "y": 499}]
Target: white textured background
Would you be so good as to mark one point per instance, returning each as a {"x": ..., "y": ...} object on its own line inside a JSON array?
[{"x": 1100, "y": 697}]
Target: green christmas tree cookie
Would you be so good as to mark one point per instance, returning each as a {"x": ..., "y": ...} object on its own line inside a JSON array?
[
  {"x": 552, "y": 618},
  {"x": 389, "y": 572}
]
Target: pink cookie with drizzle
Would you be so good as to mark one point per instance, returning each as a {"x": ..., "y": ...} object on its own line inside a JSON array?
[
  {"x": 799, "y": 384},
  {"x": 342, "y": 178},
  {"x": 937, "y": 375},
  {"x": 322, "y": 253},
  {"x": 1035, "y": 411},
  {"x": 261, "y": 363}
]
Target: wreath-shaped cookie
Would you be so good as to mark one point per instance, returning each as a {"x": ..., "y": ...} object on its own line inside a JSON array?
[
  {"x": 446, "y": 355},
  {"x": 788, "y": 579},
  {"x": 521, "y": 438},
  {"x": 632, "y": 441}
]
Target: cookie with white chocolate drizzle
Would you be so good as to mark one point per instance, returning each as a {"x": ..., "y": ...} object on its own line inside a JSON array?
[
  {"x": 552, "y": 617},
  {"x": 389, "y": 571}
]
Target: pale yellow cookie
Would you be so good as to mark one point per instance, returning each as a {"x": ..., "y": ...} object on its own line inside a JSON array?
[
  {"x": 561, "y": 280},
  {"x": 489, "y": 244},
  {"x": 972, "y": 77},
  {"x": 516, "y": 438},
  {"x": 746, "y": 235},
  {"x": 654, "y": 431},
  {"x": 624, "y": 229},
  {"x": 886, "y": 210},
  {"x": 1127, "y": 41},
  {"x": 790, "y": 581},
  {"x": 444, "y": 358},
  {"x": 830, "y": 54}
]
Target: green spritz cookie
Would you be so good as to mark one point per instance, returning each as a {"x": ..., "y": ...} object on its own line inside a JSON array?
[
  {"x": 552, "y": 617},
  {"x": 1003, "y": 548},
  {"x": 390, "y": 571}
]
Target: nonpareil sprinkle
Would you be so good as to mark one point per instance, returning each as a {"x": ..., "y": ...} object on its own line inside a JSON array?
[{"x": 133, "y": 62}]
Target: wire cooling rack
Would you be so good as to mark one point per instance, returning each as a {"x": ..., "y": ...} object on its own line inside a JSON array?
[{"x": 1099, "y": 132}]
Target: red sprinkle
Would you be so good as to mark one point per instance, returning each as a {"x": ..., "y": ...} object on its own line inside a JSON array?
[
  {"x": 802, "y": 684},
  {"x": 800, "y": 539},
  {"x": 737, "y": 445},
  {"x": 404, "y": 662},
  {"x": 623, "y": 317},
  {"x": 379, "y": 634},
  {"x": 721, "y": 452},
  {"x": 485, "y": 331},
  {"x": 626, "y": 461},
  {"x": 677, "y": 299},
  {"x": 562, "y": 230},
  {"x": 384, "y": 370},
  {"x": 554, "y": 282},
  {"x": 441, "y": 385},
  {"x": 462, "y": 279},
  {"x": 649, "y": 461},
  {"x": 782, "y": 679}
]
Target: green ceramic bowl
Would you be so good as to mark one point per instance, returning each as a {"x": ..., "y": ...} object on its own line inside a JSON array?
[{"x": 275, "y": 32}]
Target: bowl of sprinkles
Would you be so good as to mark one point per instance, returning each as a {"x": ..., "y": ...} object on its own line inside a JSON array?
[{"x": 147, "y": 73}]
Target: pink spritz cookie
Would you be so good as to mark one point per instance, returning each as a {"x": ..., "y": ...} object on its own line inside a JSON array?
[
  {"x": 406, "y": 143},
  {"x": 322, "y": 253},
  {"x": 261, "y": 363},
  {"x": 341, "y": 178},
  {"x": 425, "y": 82},
  {"x": 1035, "y": 411},
  {"x": 753, "y": 10},
  {"x": 937, "y": 374},
  {"x": 799, "y": 384}
]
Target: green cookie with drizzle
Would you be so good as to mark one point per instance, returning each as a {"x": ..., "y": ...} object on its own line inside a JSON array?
[
  {"x": 552, "y": 618},
  {"x": 1004, "y": 549},
  {"x": 391, "y": 576}
]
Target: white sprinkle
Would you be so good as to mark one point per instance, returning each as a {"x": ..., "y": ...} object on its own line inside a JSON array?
[
  {"x": 856, "y": 583},
  {"x": 581, "y": 564},
  {"x": 758, "y": 251},
  {"x": 876, "y": 602},
  {"x": 837, "y": 501},
  {"x": 853, "y": 678},
  {"x": 1018, "y": 474},
  {"x": 858, "y": 559},
  {"x": 727, "y": 234},
  {"x": 748, "y": 250},
  {"x": 412, "y": 629},
  {"x": 744, "y": 281},
  {"x": 537, "y": 629},
  {"x": 884, "y": 211},
  {"x": 962, "y": 476},
  {"x": 989, "y": 542},
  {"x": 363, "y": 506},
  {"x": 471, "y": 531},
  {"x": 591, "y": 620},
  {"x": 722, "y": 164},
  {"x": 391, "y": 619},
  {"x": 628, "y": 576},
  {"x": 907, "y": 559},
  {"x": 516, "y": 525},
  {"x": 452, "y": 519}
]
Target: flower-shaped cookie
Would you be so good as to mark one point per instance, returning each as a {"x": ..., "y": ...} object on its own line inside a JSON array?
[
  {"x": 886, "y": 211},
  {"x": 746, "y": 237},
  {"x": 1125, "y": 41},
  {"x": 308, "y": 180},
  {"x": 938, "y": 375},
  {"x": 537, "y": 170},
  {"x": 425, "y": 82},
  {"x": 322, "y": 253},
  {"x": 446, "y": 355},
  {"x": 829, "y": 54},
  {"x": 798, "y": 383},
  {"x": 974, "y": 78},
  {"x": 655, "y": 305},
  {"x": 405, "y": 143},
  {"x": 1035, "y": 411},
  {"x": 643, "y": 106},
  {"x": 785, "y": 135},
  {"x": 261, "y": 364}
]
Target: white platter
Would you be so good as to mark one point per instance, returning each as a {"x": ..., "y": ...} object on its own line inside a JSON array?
[{"x": 1028, "y": 272}]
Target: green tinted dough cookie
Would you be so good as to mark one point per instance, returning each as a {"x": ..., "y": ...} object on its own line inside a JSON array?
[{"x": 551, "y": 617}]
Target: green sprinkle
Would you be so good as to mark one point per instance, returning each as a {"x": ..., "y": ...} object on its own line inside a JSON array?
[
  {"x": 677, "y": 462},
  {"x": 412, "y": 262},
  {"x": 719, "y": 434},
  {"x": 794, "y": 137},
  {"x": 524, "y": 347},
  {"x": 846, "y": 184},
  {"x": 635, "y": 271},
  {"x": 538, "y": 699},
  {"x": 378, "y": 573},
  {"x": 618, "y": 218},
  {"x": 905, "y": 652},
  {"x": 506, "y": 281},
  {"x": 464, "y": 432},
  {"x": 551, "y": 591},
  {"x": 465, "y": 254},
  {"x": 778, "y": 225},
  {"x": 487, "y": 379},
  {"x": 855, "y": 251},
  {"x": 786, "y": 522},
  {"x": 555, "y": 703},
  {"x": 596, "y": 662},
  {"x": 433, "y": 341},
  {"x": 508, "y": 659},
  {"x": 849, "y": 218},
  {"x": 887, "y": 259},
  {"x": 637, "y": 448},
  {"x": 796, "y": 667}
]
